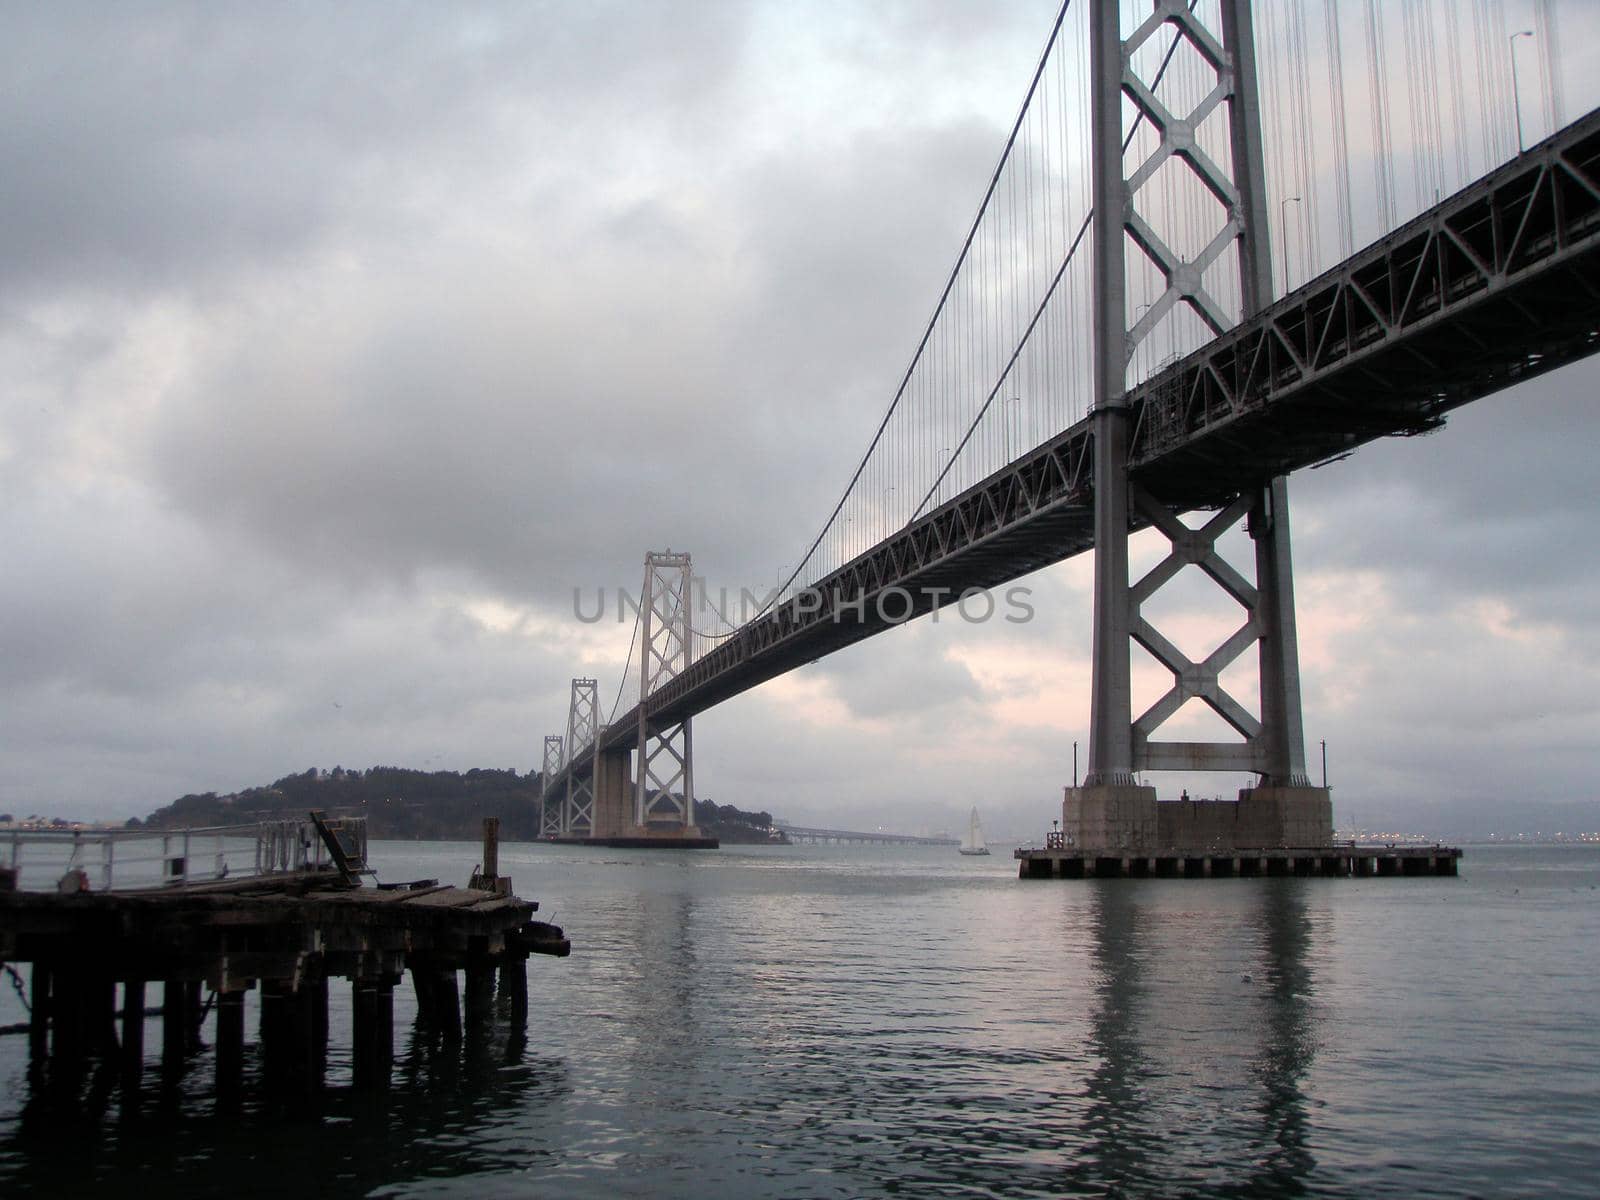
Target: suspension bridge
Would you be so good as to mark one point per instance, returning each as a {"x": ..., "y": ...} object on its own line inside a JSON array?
[{"x": 1118, "y": 348}]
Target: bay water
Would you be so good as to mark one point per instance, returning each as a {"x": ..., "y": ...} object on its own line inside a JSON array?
[{"x": 840, "y": 1021}]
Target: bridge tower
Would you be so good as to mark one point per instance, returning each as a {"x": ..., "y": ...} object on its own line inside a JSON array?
[
  {"x": 551, "y": 807},
  {"x": 664, "y": 785},
  {"x": 577, "y": 810},
  {"x": 1111, "y": 810}
]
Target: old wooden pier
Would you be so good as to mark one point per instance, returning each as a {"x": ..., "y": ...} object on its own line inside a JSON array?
[{"x": 300, "y": 921}]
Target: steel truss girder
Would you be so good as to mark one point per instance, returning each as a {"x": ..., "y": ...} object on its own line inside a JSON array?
[
  {"x": 664, "y": 792},
  {"x": 1414, "y": 325},
  {"x": 1253, "y": 404}
]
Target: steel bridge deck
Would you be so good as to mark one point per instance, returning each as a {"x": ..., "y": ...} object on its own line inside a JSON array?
[{"x": 1493, "y": 286}]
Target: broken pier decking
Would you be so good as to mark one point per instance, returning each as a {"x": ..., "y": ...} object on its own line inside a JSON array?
[
  {"x": 288, "y": 934},
  {"x": 1056, "y": 862}
]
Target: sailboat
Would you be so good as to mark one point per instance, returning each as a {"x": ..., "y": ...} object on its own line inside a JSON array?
[{"x": 973, "y": 843}]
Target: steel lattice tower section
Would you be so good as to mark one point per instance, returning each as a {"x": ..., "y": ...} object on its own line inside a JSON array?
[
  {"x": 577, "y": 811},
  {"x": 664, "y": 785},
  {"x": 1111, "y": 810},
  {"x": 550, "y": 807}
]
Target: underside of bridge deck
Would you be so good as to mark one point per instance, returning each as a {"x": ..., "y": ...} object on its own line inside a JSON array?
[{"x": 1495, "y": 285}]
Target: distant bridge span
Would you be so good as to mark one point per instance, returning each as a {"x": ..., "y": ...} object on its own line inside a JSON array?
[{"x": 796, "y": 833}]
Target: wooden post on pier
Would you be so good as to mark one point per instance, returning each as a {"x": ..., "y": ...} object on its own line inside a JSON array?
[
  {"x": 372, "y": 1033},
  {"x": 174, "y": 1030},
  {"x": 514, "y": 990},
  {"x": 230, "y": 1047},
  {"x": 480, "y": 993},
  {"x": 132, "y": 1035},
  {"x": 427, "y": 1001},
  {"x": 66, "y": 1018},
  {"x": 487, "y": 877},
  {"x": 39, "y": 1017},
  {"x": 316, "y": 999},
  {"x": 383, "y": 1033},
  {"x": 291, "y": 1069},
  {"x": 194, "y": 1014},
  {"x": 100, "y": 996},
  {"x": 447, "y": 1005},
  {"x": 491, "y": 847}
]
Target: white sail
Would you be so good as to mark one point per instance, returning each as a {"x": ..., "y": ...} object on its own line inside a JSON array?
[{"x": 973, "y": 843}]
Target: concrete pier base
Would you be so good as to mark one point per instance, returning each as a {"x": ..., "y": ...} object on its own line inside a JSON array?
[
  {"x": 644, "y": 840},
  {"x": 1104, "y": 817},
  {"x": 1261, "y": 816},
  {"x": 1326, "y": 861},
  {"x": 613, "y": 793}
]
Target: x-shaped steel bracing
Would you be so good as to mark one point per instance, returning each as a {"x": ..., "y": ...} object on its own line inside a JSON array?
[
  {"x": 1185, "y": 278},
  {"x": 664, "y": 786},
  {"x": 1190, "y": 679},
  {"x": 577, "y": 813},
  {"x": 550, "y": 805}
]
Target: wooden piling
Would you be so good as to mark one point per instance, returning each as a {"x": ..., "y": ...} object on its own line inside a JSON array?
[
  {"x": 372, "y": 1034},
  {"x": 230, "y": 1047},
  {"x": 427, "y": 1000},
  {"x": 447, "y": 1005},
  {"x": 100, "y": 996},
  {"x": 194, "y": 1015},
  {"x": 39, "y": 1016},
  {"x": 289, "y": 942},
  {"x": 514, "y": 990},
  {"x": 174, "y": 1030},
  {"x": 491, "y": 847},
  {"x": 275, "y": 1067},
  {"x": 132, "y": 1034},
  {"x": 316, "y": 1000},
  {"x": 480, "y": 993},
  {"x": 67, "y": 1018},
  {"x": 291, "y": 1067}
]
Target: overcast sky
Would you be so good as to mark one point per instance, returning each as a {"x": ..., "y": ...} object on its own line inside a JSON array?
[{"x": 340, "y": 344}]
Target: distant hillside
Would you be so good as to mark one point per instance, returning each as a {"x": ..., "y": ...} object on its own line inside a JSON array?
[{"x": 419, "y": 805}]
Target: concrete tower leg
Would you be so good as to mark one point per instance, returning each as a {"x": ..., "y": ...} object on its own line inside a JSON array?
[{"x": 613, "y": 792}]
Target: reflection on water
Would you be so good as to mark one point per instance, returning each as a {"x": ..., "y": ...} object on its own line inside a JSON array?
[
  {"x": 1201, "y": 1034},
  {"x": 1288, "y": 1042},
  {"x": 445, "y": 1096},
  {"x": 843, "y": 1022}
]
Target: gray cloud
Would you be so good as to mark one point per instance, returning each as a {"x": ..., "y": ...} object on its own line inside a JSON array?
[{"x": 330, "y": 338}]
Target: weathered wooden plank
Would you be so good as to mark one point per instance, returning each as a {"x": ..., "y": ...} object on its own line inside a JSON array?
[{"x": 450, "y": 898}]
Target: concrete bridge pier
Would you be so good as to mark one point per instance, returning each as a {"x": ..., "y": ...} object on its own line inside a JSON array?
[
  {"x": 1112, "y": 811},
  {"x": 613, "y": 791}
]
